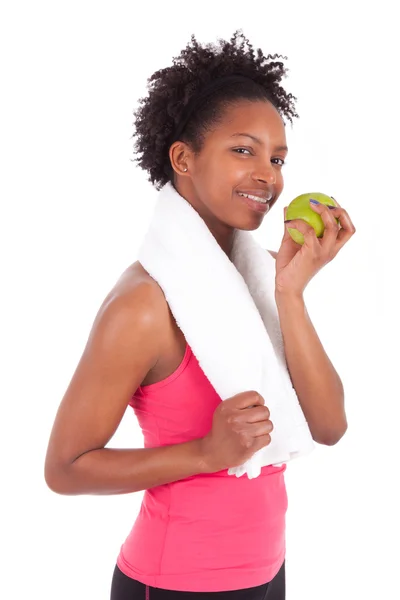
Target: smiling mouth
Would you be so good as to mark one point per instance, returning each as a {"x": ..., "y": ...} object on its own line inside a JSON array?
[
  {"x": 261, "y": 199},
  {"x": 260, "y": 205}
]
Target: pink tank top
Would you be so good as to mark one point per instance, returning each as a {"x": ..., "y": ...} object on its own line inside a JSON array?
[{"x": 206, "y": 533}]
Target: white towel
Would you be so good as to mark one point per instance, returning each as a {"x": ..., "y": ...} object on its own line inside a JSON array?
[{"x": 228, "y": 315}]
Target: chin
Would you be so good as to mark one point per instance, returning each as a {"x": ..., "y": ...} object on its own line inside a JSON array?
[
  {"x": 250, "y": 224},
  {"x": 247, "y": 226}
]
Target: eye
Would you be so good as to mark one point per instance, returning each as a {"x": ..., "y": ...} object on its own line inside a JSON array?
[{"x": 237, "y": 150}]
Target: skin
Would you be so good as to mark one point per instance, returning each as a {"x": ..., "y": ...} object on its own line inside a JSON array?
[
  {"x": 228, "y": 164},
  {"x": 135, "y": 340}
]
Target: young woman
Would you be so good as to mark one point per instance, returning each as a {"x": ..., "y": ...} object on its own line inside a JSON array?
[{"x": 212, "y": 126}]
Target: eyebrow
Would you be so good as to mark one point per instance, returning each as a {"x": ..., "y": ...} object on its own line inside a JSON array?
[{"x": 277, "y": 148}]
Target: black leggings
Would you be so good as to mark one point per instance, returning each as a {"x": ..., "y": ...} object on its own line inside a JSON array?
[{"x": 125, "y": 588}]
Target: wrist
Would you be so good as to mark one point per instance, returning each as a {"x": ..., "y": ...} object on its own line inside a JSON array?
[
  {"x": 203, "y": 456},
  {"x": 288, "y": 296}
]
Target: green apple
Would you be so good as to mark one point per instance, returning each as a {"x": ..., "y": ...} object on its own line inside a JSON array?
[{"x": 300, "y": 208}]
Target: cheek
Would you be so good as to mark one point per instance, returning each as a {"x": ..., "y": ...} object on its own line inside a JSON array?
[{"x": 213, "y": 173}]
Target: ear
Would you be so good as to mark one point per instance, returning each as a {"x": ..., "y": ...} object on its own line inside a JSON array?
[{"x": 179, "y": 156}]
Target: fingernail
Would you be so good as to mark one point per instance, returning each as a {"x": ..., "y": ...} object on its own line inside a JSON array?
[
  {"x": 288, "y": 220},
  {"x": 314, "y": 201},
  {"x": 331, "y": 207}
]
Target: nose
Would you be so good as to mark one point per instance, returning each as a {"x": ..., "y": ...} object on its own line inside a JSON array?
[{"x": 266, "y": 175}]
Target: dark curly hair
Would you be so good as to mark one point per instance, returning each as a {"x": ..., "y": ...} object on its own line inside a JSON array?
[{"x": 172, "y": 88}]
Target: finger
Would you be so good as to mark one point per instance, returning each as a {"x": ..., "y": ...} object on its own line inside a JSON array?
[
  {"x": 255, "y": 416},
  {"x": 331, "y": 226},
  {"x": 347, "y": 229},
  {"x": 336, "y": 202},
  {"x": 286, "y": 234},
  {"x": 310, "y": 237}
]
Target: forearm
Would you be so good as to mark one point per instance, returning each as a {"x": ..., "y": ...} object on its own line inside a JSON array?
[
  {"x": 316, "y": 382},
  {"x": 122, "y": 471}
]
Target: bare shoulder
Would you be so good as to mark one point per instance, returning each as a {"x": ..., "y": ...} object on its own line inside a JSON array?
[
  {"x": 124, "y": 344},
  {"x": 136, "y": 300},
  {"x": 133, "y": 281}
]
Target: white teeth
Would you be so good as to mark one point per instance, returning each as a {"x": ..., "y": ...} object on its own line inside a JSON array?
[{"x": 255, "y": 198}]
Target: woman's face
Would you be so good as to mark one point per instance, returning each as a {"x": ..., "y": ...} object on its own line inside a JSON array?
[{"x": 244, "y": 153}]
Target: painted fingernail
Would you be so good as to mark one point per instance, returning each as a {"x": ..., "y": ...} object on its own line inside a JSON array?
[
  {"x": 288, "y": 220},
  {"x": 314, "y": 201},
  {"x": 331, "y": 207}
]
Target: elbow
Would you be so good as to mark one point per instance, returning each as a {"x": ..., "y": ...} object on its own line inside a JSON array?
[
  {"x": 53, "y": 487},
  {"x": 333, "y": 436},
  {"x": 56, "y": 480},
  {"x": 52, "y": 482}
]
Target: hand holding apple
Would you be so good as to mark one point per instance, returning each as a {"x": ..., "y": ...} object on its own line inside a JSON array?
[
  {"x": 300, "y": 208},
  {"x": 316, "y": 235}
]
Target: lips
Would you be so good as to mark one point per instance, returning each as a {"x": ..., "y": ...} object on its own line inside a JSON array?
[{"x": 260, "y": 193}]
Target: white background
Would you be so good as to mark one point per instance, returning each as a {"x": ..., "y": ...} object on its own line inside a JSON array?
[{"x": 73, "y": 211}]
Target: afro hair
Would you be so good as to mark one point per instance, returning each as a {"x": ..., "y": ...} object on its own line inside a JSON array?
[{"x": 171, "y": 89}]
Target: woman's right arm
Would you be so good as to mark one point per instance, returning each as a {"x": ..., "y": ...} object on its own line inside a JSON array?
[{"x": 122, "y": 347}]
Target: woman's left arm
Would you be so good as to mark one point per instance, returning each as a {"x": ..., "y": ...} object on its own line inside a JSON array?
[{"x": 317, "y": 384}]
